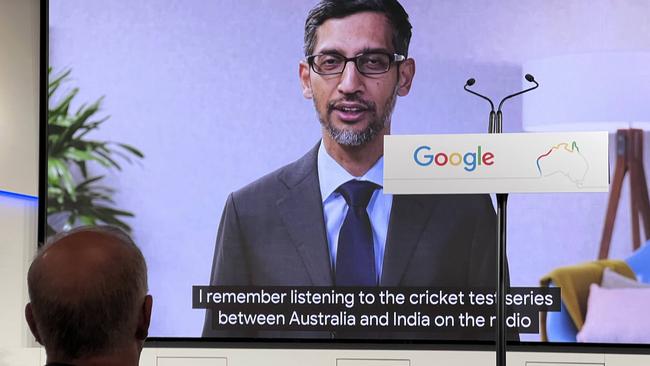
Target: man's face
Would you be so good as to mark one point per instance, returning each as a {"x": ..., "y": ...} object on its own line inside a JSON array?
[{"x": 354, "y": 108}]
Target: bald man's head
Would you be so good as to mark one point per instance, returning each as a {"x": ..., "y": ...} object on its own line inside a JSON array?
[{"x": 87, "y": 288}]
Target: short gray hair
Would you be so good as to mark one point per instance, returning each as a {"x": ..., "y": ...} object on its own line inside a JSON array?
[{"x": 99, "y": 320}]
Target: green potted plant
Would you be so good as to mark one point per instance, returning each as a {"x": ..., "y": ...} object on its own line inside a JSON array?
[{"x": 74, "y": 195}]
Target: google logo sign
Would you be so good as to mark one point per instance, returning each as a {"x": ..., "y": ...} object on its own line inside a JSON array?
[{"x": 470, "y": 160}]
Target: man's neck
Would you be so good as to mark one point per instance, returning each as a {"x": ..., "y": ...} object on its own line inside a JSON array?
[
  {"x": 356, "y": 160},
  {"x": 118, "y": 358}
]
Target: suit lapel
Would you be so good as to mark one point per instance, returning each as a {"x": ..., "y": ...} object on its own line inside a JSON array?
[
  {"x": 408, "y": 218},
  {"x": 301, "y": 210}
]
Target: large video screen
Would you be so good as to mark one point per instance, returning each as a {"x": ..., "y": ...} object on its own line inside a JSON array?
[{"x": 205, "y": 131}]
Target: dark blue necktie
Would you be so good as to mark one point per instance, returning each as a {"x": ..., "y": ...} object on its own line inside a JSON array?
[{"x": 355, "y": 254}]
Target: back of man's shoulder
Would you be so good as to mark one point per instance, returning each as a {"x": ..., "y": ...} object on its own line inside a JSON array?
[{"x": 275, "y": 185}]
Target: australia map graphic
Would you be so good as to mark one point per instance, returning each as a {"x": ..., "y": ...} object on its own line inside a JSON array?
[{"x": 565, "y": 159}]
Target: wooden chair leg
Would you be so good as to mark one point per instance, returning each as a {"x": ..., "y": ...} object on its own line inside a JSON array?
[
  {"x": 629, "y": 158},
  {"x": 634, "y": 206},
  {"x": 635, "y": 193},
  {"x": 642, "y": 200},
  {"x": 645, "y": 203},
  {"x": 612, "y": 205}
]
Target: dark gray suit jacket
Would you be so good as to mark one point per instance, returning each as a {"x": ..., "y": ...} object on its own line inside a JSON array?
[{"x": 272, "y": 233}]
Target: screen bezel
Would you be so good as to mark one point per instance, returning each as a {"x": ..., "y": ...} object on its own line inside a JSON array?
[
  {"x": 42, "y": 119},
  {"x": 262, "y": 343}
]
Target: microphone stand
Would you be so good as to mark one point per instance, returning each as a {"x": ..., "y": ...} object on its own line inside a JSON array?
[{"x": 495, "y": 125}]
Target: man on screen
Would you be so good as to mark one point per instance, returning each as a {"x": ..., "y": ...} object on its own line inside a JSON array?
[{"x": 324, "y": 219}]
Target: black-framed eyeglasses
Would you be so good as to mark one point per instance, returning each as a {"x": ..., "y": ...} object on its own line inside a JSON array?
[{"x": 371, "y": 63}]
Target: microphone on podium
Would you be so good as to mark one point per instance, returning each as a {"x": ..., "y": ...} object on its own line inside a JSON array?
[
  {"x": 472, "y": 81},
  {"x": 528, "y": 78},
  {"x": 495, "y": 121},
  {"x": 496, "y": 126}
]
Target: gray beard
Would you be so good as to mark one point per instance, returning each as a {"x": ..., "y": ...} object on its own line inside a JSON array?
[
  {"x": 357, "y": 138},
  {"x": 353, "y": 138}
]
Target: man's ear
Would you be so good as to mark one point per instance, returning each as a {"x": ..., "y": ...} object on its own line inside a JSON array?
[
  {"x": 144, "y": 318},
  {"x": 305, "y": 81},
  {"x": 406, "y": 74},
  {"x": 29, "y": 316}
]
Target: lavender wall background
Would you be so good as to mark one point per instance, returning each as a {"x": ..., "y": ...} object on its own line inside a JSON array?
[{"x": 184, "y": 82}]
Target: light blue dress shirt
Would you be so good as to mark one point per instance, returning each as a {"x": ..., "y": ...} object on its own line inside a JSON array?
[{"x": 331, "y": 175}]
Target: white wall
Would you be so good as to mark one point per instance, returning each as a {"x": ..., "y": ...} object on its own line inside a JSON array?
[
  {"x": 18, "y": 157},
  {"x": 19, "y": 62}
]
